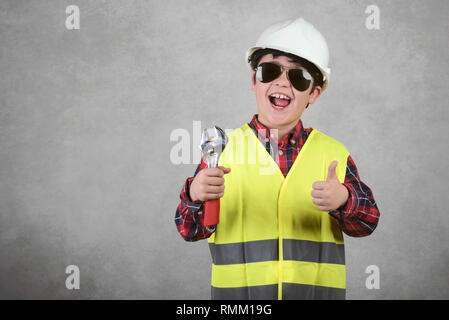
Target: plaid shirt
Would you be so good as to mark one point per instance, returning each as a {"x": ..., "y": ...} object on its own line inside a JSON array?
[{"x": 358, "y": 218}]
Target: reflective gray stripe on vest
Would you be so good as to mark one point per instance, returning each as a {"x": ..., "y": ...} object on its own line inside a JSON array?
[
  {"x": 244, "y": 252},
  {"x": 268, "y": 250},
  {"x": 267, "y": 292},
  {"x": 290, "y": 291},
  {"x": 293, "y": 291},
  {"x": 311, "y": 251}
]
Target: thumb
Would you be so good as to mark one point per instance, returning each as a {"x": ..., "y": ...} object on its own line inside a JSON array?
[
  {"x": 331, "y": 174},
  {"x": 225, "y": 170}
]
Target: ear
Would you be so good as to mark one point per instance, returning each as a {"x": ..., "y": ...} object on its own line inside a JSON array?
[
  {"x": 253, "y": 81},
  {"x": 315, "y": 94}
]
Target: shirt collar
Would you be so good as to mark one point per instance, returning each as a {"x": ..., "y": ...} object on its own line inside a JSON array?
[{"x": 263, "y": 132}]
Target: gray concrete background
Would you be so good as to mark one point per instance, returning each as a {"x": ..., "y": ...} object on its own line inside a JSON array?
[{"x": 86, "y": 116}]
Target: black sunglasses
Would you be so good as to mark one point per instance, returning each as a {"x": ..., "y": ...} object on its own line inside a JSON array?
[{"x": 269, "y": 71}]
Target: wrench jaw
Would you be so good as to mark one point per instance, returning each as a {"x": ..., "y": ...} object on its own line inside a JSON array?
[{"x": 213, "y": 141}]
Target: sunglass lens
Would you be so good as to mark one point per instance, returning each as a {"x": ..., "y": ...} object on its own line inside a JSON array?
[
  {"x": 299, "y": 79},
  {"x": 267, "y": 72}
]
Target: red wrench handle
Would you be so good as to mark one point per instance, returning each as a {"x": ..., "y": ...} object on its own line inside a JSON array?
[{"x": 211, "y": 212}]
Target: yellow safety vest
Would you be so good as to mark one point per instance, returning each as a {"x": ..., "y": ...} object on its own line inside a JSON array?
[{"x": 272, "y": 242}]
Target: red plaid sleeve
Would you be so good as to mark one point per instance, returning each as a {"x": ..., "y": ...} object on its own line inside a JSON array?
[
  {"x": 360, "y": 216},
  {"x": 189, "y": 218}
]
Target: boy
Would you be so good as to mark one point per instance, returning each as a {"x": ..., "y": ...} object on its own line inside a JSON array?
[{"x": 280, "y": 234}]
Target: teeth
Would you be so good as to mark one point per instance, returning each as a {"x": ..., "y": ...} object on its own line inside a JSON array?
[{"x": 279, "y": 96}]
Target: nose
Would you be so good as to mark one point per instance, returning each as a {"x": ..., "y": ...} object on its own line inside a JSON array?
[{"x": 282, "y": 80}]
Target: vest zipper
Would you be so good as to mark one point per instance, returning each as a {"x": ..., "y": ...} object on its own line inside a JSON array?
[{"x": 281, "y": 248}]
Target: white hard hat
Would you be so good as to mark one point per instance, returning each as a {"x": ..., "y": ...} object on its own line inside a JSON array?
[{"x": 298, "y": 37}]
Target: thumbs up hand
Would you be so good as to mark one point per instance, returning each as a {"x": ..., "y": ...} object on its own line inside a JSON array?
[{"x": 330, "y": 194}]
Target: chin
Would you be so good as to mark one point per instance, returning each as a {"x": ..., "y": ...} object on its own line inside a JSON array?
[{"x": 280, "y": 118}]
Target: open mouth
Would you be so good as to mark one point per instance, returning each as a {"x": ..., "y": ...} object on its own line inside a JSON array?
[{"x": 279, "y": 101}]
